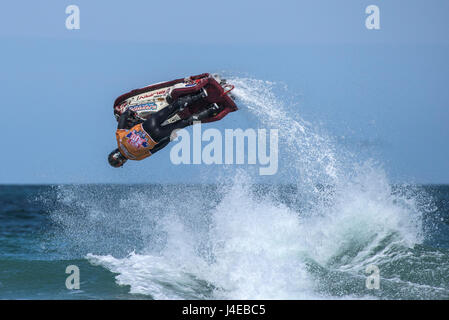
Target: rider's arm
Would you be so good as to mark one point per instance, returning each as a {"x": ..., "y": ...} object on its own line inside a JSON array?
[
  {"x": 163, "y": 143},
  {"x": 127, "y": 120},
  {"x": 122, "y": 121}
]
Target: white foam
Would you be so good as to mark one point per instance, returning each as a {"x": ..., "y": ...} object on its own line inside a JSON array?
[{"x": 257, "y": 248}]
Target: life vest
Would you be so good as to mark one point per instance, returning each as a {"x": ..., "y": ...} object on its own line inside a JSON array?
[{"x": 135, "y": 143}]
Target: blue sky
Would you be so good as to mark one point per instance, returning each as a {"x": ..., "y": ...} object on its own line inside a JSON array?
[{"x": 385, "y": 90}]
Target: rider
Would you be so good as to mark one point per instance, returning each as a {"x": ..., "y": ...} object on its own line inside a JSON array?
[{"x": 144, "y": 139}]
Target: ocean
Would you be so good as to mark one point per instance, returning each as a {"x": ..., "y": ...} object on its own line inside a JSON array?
[
  {"x": 329, "y": 225},
  {"x": 256, "y": 241}
]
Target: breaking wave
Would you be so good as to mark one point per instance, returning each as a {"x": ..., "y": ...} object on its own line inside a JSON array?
[{"x": 309, "y": 239}]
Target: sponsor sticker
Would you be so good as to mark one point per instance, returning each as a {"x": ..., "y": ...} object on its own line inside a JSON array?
[
  {"x": 151, "y": 94},
  {"x": 137, "y": 139},
  {"x": 121, "y": 107},
  {"x": 149, "y": 106}
]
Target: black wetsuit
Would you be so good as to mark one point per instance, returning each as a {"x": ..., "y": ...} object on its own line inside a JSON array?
[{"x": 153, "y": 125}]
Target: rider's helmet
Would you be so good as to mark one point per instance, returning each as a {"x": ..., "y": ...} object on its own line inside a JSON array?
[{"x": 116, "y": 159}]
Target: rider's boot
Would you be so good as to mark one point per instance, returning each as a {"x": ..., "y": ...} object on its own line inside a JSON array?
[
  {"x": 210, "y": 111},
  {"x": 188, "y": 100}
]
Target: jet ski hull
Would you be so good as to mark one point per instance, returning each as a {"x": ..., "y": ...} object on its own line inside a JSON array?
[{"x": 150, "y": 99}]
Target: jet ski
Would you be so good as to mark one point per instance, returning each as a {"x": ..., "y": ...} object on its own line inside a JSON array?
[{"x": 150, "y": 99}]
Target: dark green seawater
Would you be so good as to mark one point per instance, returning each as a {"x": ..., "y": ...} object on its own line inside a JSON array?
[{"x": 211, "y": 241}]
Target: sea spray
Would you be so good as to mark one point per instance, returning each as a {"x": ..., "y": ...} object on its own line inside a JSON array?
[{"x": 239, "y": 239}]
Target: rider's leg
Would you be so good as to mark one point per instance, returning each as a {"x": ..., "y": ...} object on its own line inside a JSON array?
[
  {"x": 153, "y": 124},
  {"x": 209, "y": 112},
  {"x": 166, "y": 130},
  {"x": 179, "y": 104},
  {"x": 158, "y": 132}
]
